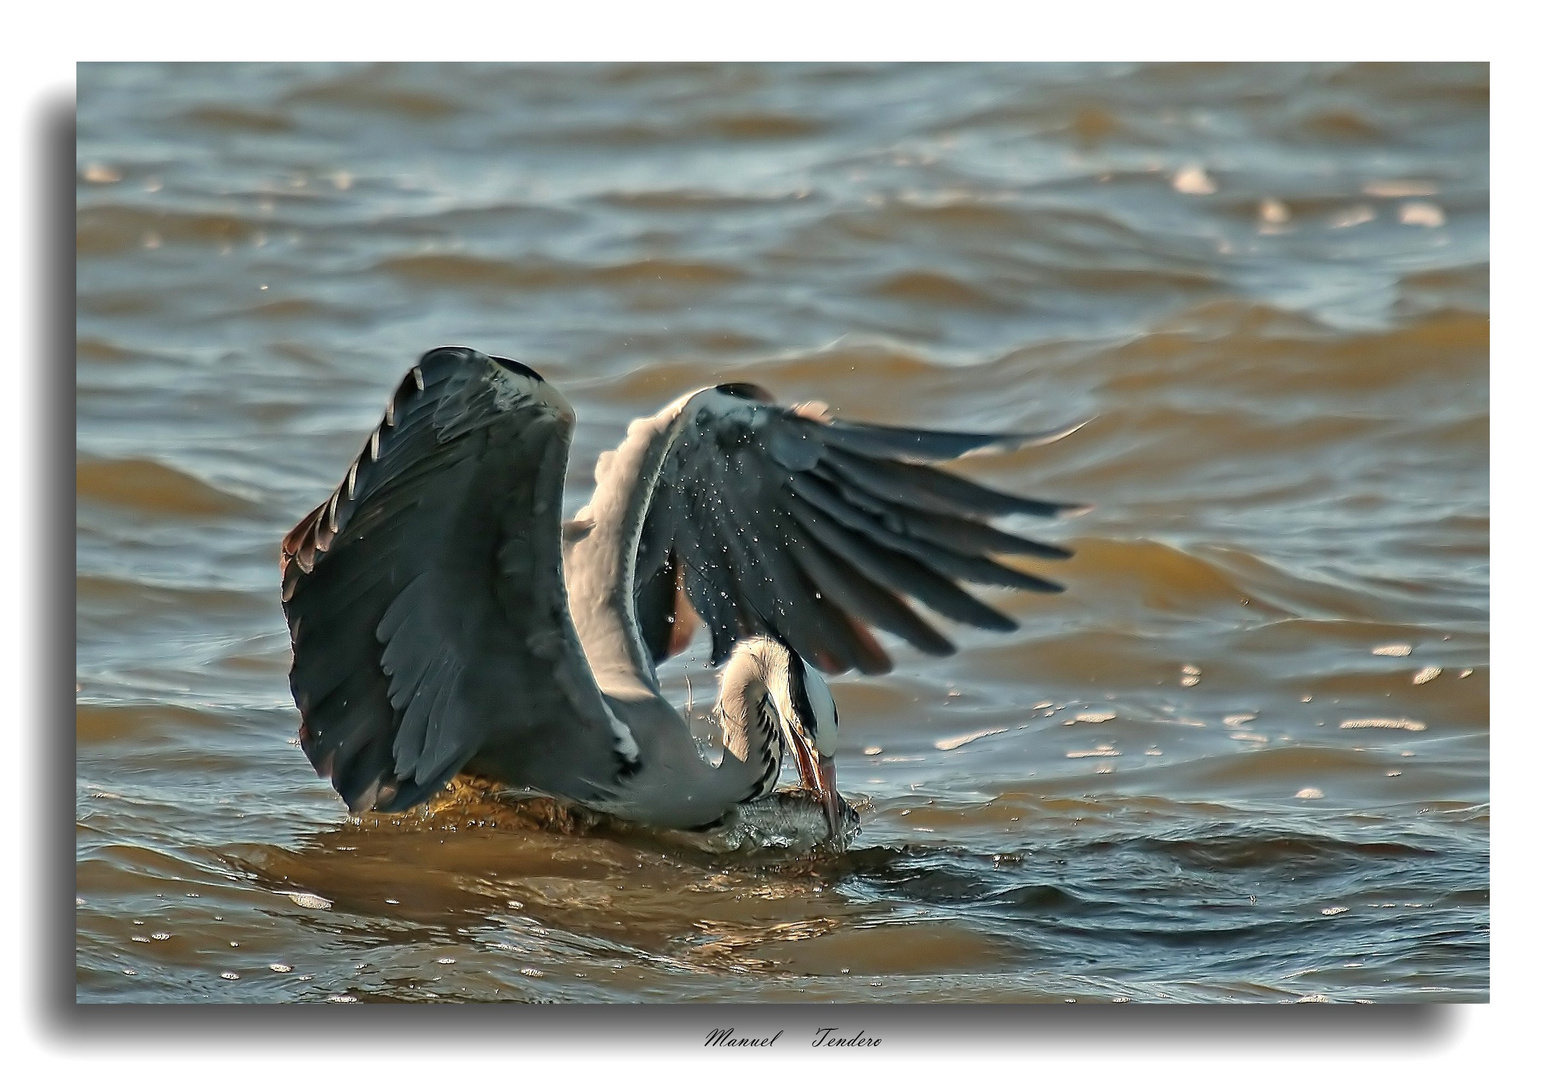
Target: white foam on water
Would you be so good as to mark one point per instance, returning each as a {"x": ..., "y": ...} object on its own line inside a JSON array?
[
  {"x": 308, "y": 900},
  {"x": 962, "y": 740},
  {"x": 1425, "y": 214},
  {"x": 1194, "y": 180},
  {"x": 1402, "y": 724},
  {"x": 1353, "y": 215}
]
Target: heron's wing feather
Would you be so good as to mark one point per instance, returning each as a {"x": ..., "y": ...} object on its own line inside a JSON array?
[
  {"x": 783, "y": 520},
  {"x": 426, "y": 603}
]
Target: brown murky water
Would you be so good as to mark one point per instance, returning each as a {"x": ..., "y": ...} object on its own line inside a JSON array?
[{"x": 1243, "y": 758}]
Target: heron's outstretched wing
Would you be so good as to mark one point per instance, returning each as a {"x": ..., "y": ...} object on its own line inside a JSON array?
[
  {"x": 426, "y": 600},
  {"x": 765, "y": 518}
]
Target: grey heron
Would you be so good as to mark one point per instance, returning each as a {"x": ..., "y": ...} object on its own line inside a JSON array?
[{"x": 444, "y": 619}]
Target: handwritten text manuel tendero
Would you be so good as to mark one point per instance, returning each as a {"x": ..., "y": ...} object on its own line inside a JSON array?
[{"x": 826, "y": 1036}]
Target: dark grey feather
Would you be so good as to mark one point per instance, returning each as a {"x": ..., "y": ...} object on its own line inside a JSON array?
[
  {"x": 824, "y": 500},
  {"x": 811, "y": 528},
  {"x": 426, "y": 605},
  {"x": 915, "y": 444}
]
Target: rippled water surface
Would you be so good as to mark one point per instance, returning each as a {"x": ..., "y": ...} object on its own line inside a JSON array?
[{"x": 1243, "y": 758}]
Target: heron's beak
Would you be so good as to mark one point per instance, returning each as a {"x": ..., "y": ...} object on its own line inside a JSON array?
[
  {"x": 819, "y": 773},
  {"x": 831, "y": 799}
]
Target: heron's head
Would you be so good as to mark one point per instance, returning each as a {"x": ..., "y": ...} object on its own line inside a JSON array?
[
  {"x": 807, "y": 718},
  {"x": 771, "y": 701}
]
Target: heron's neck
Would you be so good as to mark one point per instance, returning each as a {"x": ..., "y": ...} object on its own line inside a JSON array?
[
  {"x": 674, "y": 786},
  {"x": 757, "y": 671}
]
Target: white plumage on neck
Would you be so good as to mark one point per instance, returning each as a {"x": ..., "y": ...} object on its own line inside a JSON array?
[{"x": 754, "y": 692}]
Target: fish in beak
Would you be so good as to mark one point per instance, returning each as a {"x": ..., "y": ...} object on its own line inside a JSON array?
[{"x": 818, "y": 773}]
